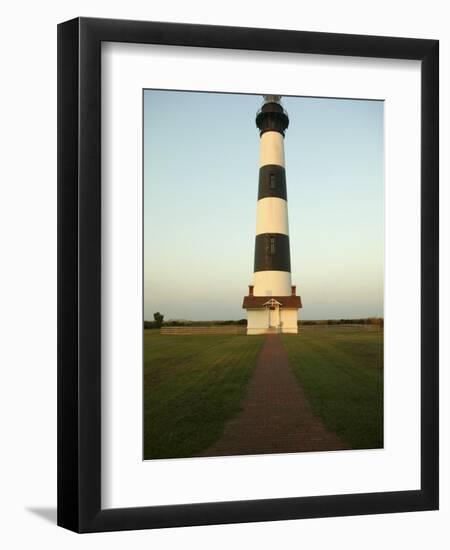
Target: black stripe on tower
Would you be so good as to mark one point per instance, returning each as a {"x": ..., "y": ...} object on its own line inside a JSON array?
[
  {"x": 272, "y": 252},
  {"x": 272, "y": 182},
  {"x": 272, "y": 117}
]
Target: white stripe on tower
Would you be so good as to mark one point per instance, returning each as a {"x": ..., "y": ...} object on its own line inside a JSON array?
[
  {"x": 271, "y": 148},
  {"x": 271, "y": 283},
  {"x": 272, "y": 216}
]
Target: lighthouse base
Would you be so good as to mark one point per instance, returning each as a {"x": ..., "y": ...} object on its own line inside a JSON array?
[
  {"x": 272, "y": 314},
  {"x": 272, "y": 321}
]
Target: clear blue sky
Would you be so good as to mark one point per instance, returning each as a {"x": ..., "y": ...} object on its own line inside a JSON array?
[{"x": 201, "y": 153}]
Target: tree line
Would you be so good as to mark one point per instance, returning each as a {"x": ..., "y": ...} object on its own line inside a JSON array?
[{"x": 158, "y": 322}]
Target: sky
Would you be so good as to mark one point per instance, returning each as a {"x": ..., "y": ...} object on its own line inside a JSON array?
[{"x": 201, "y": 165}]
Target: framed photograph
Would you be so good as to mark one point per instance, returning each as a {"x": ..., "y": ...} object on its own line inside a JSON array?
[{"x": 247, "y": 275}]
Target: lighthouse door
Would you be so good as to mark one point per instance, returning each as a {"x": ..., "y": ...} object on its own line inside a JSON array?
[
  {"x": 273, "y": 308},
  {"x": 274, "y": 316}
]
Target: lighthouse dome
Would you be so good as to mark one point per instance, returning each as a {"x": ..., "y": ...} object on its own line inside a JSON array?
[{"x": 272, "y": 116}]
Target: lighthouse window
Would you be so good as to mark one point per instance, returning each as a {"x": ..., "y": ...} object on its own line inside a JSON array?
[
  {"x": 273, "y": 182},
  {"x": 272, "y": 245}
]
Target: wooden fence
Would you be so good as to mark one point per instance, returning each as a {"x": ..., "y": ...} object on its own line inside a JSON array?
[
  {"x": 215, "y": 329},
  {"x": 242, "y": 329},
  {"x": 368, "y": 327}
]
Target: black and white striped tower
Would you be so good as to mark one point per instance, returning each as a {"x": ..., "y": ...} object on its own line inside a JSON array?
[{"x": 272, "y": 304}]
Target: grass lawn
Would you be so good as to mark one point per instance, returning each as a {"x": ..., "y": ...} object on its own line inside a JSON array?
[
  {"x": 193, "y": 385},
  {"x": 341, "y": 371}
]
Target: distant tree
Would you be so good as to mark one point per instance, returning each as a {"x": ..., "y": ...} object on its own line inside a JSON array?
[{"x": 158, "y": 319}]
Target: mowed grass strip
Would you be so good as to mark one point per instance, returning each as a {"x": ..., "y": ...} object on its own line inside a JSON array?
[
  {"x": 341, "y": 371},
  {"x": 193, "y": 384}
]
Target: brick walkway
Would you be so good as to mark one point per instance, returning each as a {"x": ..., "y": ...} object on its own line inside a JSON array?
[{"x": 276, "y": 417}]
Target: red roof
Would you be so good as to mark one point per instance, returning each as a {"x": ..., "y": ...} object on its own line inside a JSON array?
[{"x": 255, "y": 302}]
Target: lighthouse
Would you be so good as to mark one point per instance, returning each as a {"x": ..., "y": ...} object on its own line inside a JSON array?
[{"x": 272, "y": 303}]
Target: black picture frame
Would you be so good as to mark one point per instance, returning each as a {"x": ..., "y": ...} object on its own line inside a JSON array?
[{"x": 79, "y": 274}]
